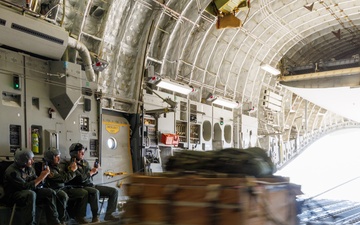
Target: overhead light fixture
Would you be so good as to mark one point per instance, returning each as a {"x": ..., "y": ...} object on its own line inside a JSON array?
[
  {"x": 272, "y": 101},
  {"x": 100, "y": 64},
  {"x": 270, "y": 69},
  {"x": 173, "y": 86},
  {"x": 226, "y": 103},
  {"x": 210, "y": 97},
  {"x": 271, "y": 106},
  {"x": 154, "y": 79}
]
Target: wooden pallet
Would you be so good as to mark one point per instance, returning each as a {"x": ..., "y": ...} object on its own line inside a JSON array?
[{"x": 194, "y": 200}]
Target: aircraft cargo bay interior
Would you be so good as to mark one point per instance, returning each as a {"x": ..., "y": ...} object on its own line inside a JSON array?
[{"x": 172, "y": 112}]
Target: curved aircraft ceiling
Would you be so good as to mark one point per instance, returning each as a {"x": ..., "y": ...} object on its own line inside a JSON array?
[{"x": 180, "y": 40}]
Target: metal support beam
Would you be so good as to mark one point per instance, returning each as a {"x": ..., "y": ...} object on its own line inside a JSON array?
[{"x": 334, "y": 78}]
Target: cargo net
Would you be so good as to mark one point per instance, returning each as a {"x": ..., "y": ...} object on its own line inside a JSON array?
[{"x": 231, "y": 161}]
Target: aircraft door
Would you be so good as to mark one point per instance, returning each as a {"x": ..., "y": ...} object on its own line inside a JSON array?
[{"x": 115, "y": 149}]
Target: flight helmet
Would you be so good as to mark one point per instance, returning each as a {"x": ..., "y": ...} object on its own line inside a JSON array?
[
  {"x": 22, "y": 156},
  {"x": 74, "y": 148},
  {"x": 50, "y": 154}
]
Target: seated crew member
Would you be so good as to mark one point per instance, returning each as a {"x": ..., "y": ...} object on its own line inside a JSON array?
[
  {"x": 23, "y": 187},
  {"x": 83, "y": 179},
  {"x": 56, "y": 180}
]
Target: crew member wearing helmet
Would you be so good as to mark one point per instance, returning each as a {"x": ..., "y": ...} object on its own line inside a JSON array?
[
  {"x": 56, "y": 180},
  {"x": 21, "y": 186},
  {"x": 83, "y": 178}
]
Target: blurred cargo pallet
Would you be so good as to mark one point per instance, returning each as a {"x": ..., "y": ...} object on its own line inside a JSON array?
[{"x": 198, "y": 200}]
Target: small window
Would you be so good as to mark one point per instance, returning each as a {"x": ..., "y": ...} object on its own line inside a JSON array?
[
  {"x": 207, "y": 130},
  {"x": 111, "y": 142},
  {"x": 227, "y": 133}
]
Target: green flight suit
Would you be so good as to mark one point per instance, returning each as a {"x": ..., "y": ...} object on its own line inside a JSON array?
[
  {"x": 78, "y": 197},
  {"x": 84, "y": 180},
  {"x": 20, "y": 188}
]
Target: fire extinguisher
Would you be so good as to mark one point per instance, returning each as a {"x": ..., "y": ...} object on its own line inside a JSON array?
[{"x": 35, "y": 141}]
